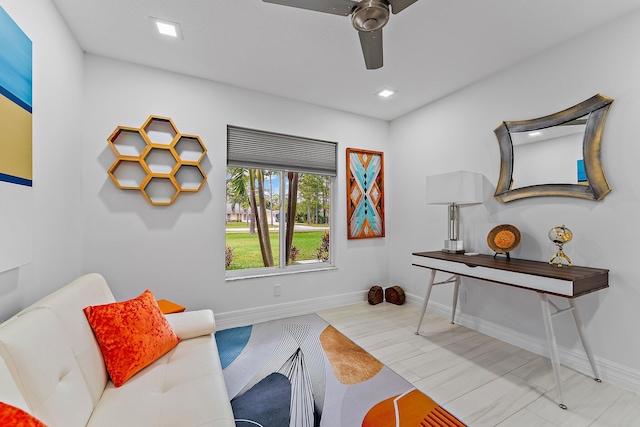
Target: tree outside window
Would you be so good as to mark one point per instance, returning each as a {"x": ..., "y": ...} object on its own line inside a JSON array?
[{"x": 293, "y": 234}]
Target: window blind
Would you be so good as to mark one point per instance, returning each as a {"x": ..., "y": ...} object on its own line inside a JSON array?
[{"x": 266, "y": 150}]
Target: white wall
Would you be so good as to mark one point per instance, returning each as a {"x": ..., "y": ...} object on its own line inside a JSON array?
[
  {"x": 178, "y": 251},
  {"x": 57, "y": 157},
  {"x": 456, "y": 133}
]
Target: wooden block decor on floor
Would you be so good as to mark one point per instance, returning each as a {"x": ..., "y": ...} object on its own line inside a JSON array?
[
  {"x": 375, "y": 295},
  {"x": 394, "y": 295}
]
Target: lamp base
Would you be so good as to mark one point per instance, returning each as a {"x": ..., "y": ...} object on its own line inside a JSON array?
[{"x": 453, "y": 246}]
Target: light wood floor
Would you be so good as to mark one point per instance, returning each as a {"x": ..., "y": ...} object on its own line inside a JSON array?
[{"x": 479, "y": 379}]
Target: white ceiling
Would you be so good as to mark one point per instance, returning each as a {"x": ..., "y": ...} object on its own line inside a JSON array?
[{"x": 431, "y": 49}]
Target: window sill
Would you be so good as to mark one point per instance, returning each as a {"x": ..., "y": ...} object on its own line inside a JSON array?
[{"x": 254, "y": 274}]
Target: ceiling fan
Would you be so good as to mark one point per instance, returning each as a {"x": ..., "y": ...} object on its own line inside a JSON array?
[{"x": 367, "y": 16}]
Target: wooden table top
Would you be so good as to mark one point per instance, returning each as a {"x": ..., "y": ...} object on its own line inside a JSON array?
[{"x": 585, "y": 279}]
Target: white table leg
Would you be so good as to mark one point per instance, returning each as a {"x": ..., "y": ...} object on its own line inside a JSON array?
[
  {"x": 583, "y": 339},
  {"x": 455, "y": 298},
  {"x": 553, "y": 348},
  {"x": 426, "y": 299}
]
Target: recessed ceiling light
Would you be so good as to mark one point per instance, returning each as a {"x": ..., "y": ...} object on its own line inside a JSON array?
[
  {"x": 385, "y": 93},
  {"x": 167, "y": 28}
]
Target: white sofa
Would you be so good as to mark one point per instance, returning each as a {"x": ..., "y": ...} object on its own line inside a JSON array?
[{"x": 51, "y": 367}]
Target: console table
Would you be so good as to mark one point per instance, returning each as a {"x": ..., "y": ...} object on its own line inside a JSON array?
[{"x": 541, "y": 277}]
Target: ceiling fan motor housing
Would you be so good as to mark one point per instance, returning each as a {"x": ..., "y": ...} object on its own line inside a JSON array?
[{"x": 370, "y": 15}]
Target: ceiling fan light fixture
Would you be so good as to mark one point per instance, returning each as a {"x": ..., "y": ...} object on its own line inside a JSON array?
[{"x": 370, "y": 15}]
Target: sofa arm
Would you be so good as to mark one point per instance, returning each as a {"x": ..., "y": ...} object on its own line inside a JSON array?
[{"x": 191, "y": 324}]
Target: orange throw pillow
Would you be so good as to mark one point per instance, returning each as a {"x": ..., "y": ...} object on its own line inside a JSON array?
[
  {"x": 132, "y": 334},
  {"x": 10, "y": 416}
]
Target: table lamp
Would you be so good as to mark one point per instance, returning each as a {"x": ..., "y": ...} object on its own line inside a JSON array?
[{"x": 454, "y": 189}]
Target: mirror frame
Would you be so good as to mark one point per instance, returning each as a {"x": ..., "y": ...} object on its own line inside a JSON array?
[{"x": 597, "y": 107}]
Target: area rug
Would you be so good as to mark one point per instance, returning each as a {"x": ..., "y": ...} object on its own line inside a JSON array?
[{"x": 302, "y": 372}]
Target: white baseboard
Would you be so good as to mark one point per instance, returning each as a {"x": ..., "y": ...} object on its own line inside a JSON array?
[
  {"x": 249, "y": 316},
  {"x": 608, "y": 371}
]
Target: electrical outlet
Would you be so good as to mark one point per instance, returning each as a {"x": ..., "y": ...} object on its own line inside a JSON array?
[
  {"x": 276, "y": 290},
  {"x": 463, "y": 296}
]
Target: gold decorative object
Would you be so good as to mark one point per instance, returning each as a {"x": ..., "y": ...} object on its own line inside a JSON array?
[
  {"x": 503, "y": 239},
  {"x": 560, "y": 236}
]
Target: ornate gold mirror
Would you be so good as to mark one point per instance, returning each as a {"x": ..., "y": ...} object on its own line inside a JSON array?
[{"x": 555, "y": 155}]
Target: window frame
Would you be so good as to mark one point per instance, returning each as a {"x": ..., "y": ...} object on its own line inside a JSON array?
[{"x": 283, "y": 268}]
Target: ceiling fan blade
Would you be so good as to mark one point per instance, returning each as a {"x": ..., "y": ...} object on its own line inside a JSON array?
[
  {"x": 336, "y": 7},
  {"x": 398, "y": 6},
  {"x": 371, "y": 42}
]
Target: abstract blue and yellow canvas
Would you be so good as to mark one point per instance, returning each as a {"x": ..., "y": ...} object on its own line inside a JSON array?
[{"x": 16, "y": 78}]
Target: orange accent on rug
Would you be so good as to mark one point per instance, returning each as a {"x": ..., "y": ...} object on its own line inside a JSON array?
[
  {"x": 349, "y": 362},
  {"x": 411, "y": 409}
]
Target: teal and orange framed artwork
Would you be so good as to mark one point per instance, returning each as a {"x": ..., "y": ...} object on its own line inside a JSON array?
[
  {"x": 365, "y": 193},
  {"x": 16, "y": 73}
]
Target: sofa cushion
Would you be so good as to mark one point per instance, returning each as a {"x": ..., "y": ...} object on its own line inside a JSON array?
[
  {"x": 67, "y": 303},
  {"x": 132, "y": 334},
  {"x": 10, "y": 416},
  {"x": 185, "y": 388},
  {"x": 36, "y": 351}
]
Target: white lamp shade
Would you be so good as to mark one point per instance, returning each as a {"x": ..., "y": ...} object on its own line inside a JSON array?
[{"x": 461, "y": 188}]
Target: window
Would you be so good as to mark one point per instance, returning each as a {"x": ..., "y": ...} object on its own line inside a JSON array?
[{"x": 278, "y": 207}]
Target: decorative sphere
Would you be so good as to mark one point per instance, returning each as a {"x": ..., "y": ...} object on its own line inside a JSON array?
[{"x": 560, "y": 235}]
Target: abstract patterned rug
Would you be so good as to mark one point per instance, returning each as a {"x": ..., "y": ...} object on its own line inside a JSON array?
[{"x": 302, "y": 372}]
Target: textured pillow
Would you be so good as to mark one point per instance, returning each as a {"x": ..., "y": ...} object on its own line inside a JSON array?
[
  {"x": 132, "y": 334},
  {"x": 10, "y": 416}
]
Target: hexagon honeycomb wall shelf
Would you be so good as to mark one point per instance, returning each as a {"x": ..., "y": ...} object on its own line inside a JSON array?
[{"x": 157, "y": 160}]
